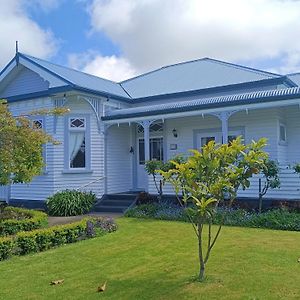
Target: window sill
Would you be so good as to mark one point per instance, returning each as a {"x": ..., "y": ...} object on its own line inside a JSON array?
[{"x": 77, "y": 171}]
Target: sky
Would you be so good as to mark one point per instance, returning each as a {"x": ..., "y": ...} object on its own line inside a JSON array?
[{"x": 119, "y": 39}]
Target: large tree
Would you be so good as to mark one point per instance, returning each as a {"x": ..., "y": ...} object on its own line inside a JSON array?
[
  {"x": 208, "y": 177},
  {"x": 21, "y": 145}
]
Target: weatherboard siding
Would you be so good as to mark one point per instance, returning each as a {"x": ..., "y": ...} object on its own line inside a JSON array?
[
  {"x": 25, "y": 82},
  {"x": 255, "y": 124},
  {"x": 41, "y": 186},
  {"x": 64, "y": 180},
  {"x": 119, "y": 159}
]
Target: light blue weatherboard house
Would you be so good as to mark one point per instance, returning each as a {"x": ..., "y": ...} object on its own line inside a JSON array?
[{"x": 113, "y": 128}]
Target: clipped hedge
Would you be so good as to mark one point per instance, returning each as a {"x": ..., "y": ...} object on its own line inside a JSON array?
[
  {"x": 15, "y": 219},
  {"x": 70, "y": 203},
  {"x": 7, "y": 246},
  {"x": 43, "y": 239},
  {"x": 280, "y": 219}
]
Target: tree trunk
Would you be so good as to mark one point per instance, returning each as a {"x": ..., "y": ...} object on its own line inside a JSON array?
[
  {"x": 202, "y": 271},
  {"x": 201, "y": 259}
]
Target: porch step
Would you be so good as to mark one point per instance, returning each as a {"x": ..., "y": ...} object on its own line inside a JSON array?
[{"x": 115, "y": 202}]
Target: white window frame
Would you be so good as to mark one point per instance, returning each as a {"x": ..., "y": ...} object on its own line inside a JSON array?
[
  {"x": 217, "y": 133},
  {"x": 152, "y": 137},
  {"x": 86, "y": 130},
  {"x": 280, "y": 141}
]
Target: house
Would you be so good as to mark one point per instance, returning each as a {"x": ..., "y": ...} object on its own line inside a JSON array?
[{"x": 113, "y": 128}]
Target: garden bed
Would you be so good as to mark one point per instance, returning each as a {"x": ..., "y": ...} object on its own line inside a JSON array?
[
  {"x": 280, "y": 219},
  {"x": 38, "y": 240},
  {"x": 15, "y": 219}
]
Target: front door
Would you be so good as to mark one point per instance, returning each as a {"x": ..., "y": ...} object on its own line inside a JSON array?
[{"x": 156, "y": 152}]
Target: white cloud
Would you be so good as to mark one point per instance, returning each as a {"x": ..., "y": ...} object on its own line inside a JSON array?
[
  {"x": 152, "y": 33},
  {"x": 15, "y": 24},
  {"x": 109, "y": 67},
  {"x": 45, "y": 5}
]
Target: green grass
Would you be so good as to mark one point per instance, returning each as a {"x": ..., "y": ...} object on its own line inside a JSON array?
[{"x": 148, "y": 259}]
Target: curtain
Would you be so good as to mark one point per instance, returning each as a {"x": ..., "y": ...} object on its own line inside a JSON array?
[{"x": 75, "y": 141}]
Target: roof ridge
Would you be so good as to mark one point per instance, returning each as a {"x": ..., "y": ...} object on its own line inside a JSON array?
[
  {"x": 69, "y": 68},
  {"x": 163, "y": 67},
  {"x": 291, "y": 74},
  {"x": 234, "y": 65},
  {"x": 254, "y": 70}
]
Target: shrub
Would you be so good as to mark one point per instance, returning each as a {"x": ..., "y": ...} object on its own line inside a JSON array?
[
  {"x": 15, "y": 219},
  {"x": 70, "y": 203},
  {"x": 281, "y": 219},
  {"x": 26, "y": 242},
  {"x": 99, "y": 226},
  {"x": 7, "y": 246},
  {"x": 43, "y": 239}
]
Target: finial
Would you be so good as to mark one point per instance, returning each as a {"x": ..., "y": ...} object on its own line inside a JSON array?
[{"x": 17, "y": 47}]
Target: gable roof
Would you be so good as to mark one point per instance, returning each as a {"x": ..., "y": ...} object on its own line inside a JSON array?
[
  {"x": 192, "y": 75},
  {"x": 295, "y": 77},
  {"x": 63, "y": 78},
  {"x": 78, "y": 78},
  {"x": 197, "y": 77}
]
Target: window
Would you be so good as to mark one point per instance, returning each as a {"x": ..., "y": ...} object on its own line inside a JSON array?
[
  {"x": 77, "y": 143},
  {"x": 154, "y": 128},
  {"x": 205, "y": 140},
  {"x": 156, "y": 149},
  {"x": 38, "y": 124},
  {"x": 282, "y": 133}
]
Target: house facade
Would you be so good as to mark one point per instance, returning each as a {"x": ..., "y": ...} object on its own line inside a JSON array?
[{"x": 113, "y": 128}]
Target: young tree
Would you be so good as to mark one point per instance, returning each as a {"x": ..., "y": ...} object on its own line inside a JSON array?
[
  {"x": 153, "y": 167},
  {"x": 21, "y": 146},
  {"x": 270, "y": 172},
  {"x": 210, "y": 176}
]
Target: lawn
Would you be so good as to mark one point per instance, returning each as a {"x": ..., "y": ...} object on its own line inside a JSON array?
[{"x": 148, "y": 259}]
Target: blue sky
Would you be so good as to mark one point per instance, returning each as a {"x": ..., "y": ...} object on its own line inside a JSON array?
[
  {"x": 117, "y": 39},
  {"x": 70, "y": 24}
]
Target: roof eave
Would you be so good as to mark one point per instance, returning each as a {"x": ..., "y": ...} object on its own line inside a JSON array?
[{"x": 202, "y": 107}]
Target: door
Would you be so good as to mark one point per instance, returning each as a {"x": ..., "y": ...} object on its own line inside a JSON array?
[{"x": 156, "y": 152}]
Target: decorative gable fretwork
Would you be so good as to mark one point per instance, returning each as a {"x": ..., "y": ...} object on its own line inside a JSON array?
[{"x": 95, "y": 103}]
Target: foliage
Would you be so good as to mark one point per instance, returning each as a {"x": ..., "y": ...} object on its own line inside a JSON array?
[
  {"x": 279, "y": 219},
  {"x": 42, "y": 239},
  {"x": 270, "y": 172},
  {"x": 70, "y": 203},
  {"x": 15, "y": 219},
  {"x": 153, "y": 167},
  {"x": 144, "y": 198},
  {"x": 21, "y": 147},
  {"x": 7, "y": 246},
  {"x": 208, "y": 177},
  {"x": 99, "y": 226}
]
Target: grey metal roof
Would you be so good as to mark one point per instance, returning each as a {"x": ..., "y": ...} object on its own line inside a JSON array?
[
  {"x": 80, "y": 79},
  {"x": 204, "y": 103},
  {"x": 295, "y": 77},
  {"x": 193, "y": 75}
]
